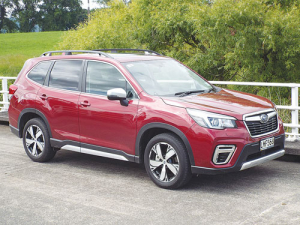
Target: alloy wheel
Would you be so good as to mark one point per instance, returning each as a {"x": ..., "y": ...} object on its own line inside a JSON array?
[
  {"x": 35, "y": 140},
  {"x": 164, "y": 162}
]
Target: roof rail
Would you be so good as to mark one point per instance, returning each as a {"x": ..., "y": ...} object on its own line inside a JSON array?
[
  {"x": 69, "y": 52},
  {"x": 116, "y": 50}
]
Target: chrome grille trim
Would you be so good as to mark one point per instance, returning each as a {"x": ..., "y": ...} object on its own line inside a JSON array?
[{"x": 258, "y": 129}]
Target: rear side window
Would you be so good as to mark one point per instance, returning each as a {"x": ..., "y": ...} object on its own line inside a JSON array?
[
  {"x": 39, "y": 72},
  {"x": 66, "y": 74}
]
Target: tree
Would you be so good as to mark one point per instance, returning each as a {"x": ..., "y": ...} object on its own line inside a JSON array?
[
  {"x": 222, "y": 40},
  {"x": 27, "y": 15},
  {"x": 105, "y": 2},
  {"x": 60, "y": 14},
  {"x": 6, "y": 8}
]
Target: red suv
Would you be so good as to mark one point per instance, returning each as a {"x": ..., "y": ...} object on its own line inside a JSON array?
[{"x": 143, "y": 108}]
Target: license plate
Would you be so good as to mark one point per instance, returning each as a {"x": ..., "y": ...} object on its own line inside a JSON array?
[{"x": 267, "y": 143}]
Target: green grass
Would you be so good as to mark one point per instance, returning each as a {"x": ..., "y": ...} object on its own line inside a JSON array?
[{"x": 16, "y": 48}]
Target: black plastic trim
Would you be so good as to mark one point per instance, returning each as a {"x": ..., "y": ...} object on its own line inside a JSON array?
[
  {"x": 167, "y": 127},
  {"x": 14, "y": 130},
  {"x": 247, "y": 150},
  {"x": 37, "y": 112},
  {"x": 46, "y": 81},
  {"x": 59, "y": 144},
  {"x": 55, "y": 143}
]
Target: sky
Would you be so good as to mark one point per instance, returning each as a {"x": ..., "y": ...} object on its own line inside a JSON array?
[{"x": 92, "y": 4}]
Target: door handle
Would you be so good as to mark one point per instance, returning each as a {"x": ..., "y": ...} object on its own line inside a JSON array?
[
  {"x": 85, "y": 103},
  {"x": 44, "y": 97}
]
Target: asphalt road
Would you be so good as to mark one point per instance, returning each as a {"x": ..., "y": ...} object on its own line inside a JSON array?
[{"x": 81, "y": 189}]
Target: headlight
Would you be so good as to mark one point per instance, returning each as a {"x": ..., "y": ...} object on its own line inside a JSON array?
[
  {"x": 275, "y": 107},
  {"x": 212, "y": 120}
]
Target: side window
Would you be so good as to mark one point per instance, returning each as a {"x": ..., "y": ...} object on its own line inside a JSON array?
[
  {"x": 39, "y": 72},
  {"x": 66, "y": 74},
  {"x": 102, "y": 77}
]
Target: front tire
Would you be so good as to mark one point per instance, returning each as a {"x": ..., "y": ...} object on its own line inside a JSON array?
[
  {"x": 167, "y": 162},
  {"x": 36, "y": 141}
]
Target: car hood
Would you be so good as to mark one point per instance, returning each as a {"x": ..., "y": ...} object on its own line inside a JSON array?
[{"x": 227, "y": 102}]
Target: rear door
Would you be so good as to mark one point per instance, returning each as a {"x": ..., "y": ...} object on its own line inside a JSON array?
[
  {"x": 103, "y": 122},
  {"x": 58, "y": 99}
]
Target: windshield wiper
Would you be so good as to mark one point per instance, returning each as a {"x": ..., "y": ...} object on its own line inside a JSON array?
[
  {"x": 184, "y": 93},
  {"x": 211, "y": 90}
]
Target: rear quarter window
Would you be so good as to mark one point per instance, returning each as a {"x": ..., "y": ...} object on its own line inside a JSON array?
[{"x": 39, "y": 72}]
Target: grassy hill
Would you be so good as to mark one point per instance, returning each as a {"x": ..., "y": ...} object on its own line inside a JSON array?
[{"x": 16, "y": 48}]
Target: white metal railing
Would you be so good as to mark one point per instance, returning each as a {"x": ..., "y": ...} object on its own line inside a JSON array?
[
  {"x": 294, "y": 107},
  {"x": 4, "y": 92}
]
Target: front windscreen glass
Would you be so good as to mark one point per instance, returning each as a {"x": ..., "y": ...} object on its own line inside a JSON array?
[{"x": 166, "y": 77}]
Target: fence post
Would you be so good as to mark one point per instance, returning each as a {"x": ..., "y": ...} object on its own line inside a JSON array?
[
  {"x": 295, "y": 114},
  {"x": 5, "y": 94}
]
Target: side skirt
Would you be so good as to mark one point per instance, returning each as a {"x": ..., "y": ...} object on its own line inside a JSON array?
[{"x": 92, "y": 150}]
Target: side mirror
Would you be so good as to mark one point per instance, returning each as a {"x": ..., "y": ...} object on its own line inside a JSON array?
[{"x": 118, "y": 94}]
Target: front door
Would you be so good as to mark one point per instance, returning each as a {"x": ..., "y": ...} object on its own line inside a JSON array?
[{"x": 103, "y": 122}]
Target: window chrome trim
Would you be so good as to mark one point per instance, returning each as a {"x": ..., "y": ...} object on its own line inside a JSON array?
[
  {"x": 87, "y": 61},
  {"x": 60, "y": 89},
  {"x": 270, "y": 111}
]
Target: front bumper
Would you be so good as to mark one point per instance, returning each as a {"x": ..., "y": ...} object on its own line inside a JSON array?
[{"x": 250, "y": 156}]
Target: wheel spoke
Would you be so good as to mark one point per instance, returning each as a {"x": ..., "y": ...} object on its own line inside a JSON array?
[
  {"x": 163, "y": 174},
  {"x": 34, "y": 150},
  {"x": 173, "y": 168},
  {"x": 170, "y": 153},
  {"x": 154, "y": 164},
  {"x": 38, "y": 134},
  {"x": 30, "y": 131},
  {"x": 158, "y": 151},
  {"x": 40, "y": 145},
  {"x": 29, "y": 142}
]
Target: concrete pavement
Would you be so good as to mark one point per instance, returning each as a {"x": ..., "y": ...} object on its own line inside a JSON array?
[{"x": 81, "y": 189}]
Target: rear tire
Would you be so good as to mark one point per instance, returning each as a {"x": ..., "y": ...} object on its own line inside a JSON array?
[
  {"x": 167, "y": 162},
  {"x": 36, "y": 141}
]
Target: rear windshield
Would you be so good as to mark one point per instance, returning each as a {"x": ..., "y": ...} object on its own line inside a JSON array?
[{"x": 165, "y": 77}]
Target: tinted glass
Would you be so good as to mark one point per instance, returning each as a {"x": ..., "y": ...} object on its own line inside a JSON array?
[
  {"x": 66, "y": 74},
  {"x": 165, "y": 77},
  {"x": 39, "y": 72},
  {"x": 102, "y": 77}
]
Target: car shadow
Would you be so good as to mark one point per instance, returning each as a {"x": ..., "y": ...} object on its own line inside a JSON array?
[
  {"x": 228, "y": 183},
  {"x": 4, "y": 123}
]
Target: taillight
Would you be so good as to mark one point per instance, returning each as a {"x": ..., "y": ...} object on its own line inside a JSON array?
[{"x": 12, "y": 89}]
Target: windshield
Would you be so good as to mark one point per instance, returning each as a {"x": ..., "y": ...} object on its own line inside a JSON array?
[{"x": 166, "y": 77}]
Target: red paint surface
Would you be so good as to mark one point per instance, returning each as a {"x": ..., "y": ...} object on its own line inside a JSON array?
[{"x": 106, "y": 123}]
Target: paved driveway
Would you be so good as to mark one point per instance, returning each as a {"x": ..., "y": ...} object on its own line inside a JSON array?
[{"x": 81, "y": 189}]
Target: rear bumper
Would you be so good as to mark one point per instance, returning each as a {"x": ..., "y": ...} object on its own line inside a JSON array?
[{"x": 250, "y": 156}]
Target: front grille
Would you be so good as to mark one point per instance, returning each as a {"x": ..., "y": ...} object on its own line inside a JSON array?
[{"x": 257, "y": 128}]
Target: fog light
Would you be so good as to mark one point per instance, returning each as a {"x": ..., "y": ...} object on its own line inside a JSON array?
[{"x": 223, "y": 154}]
